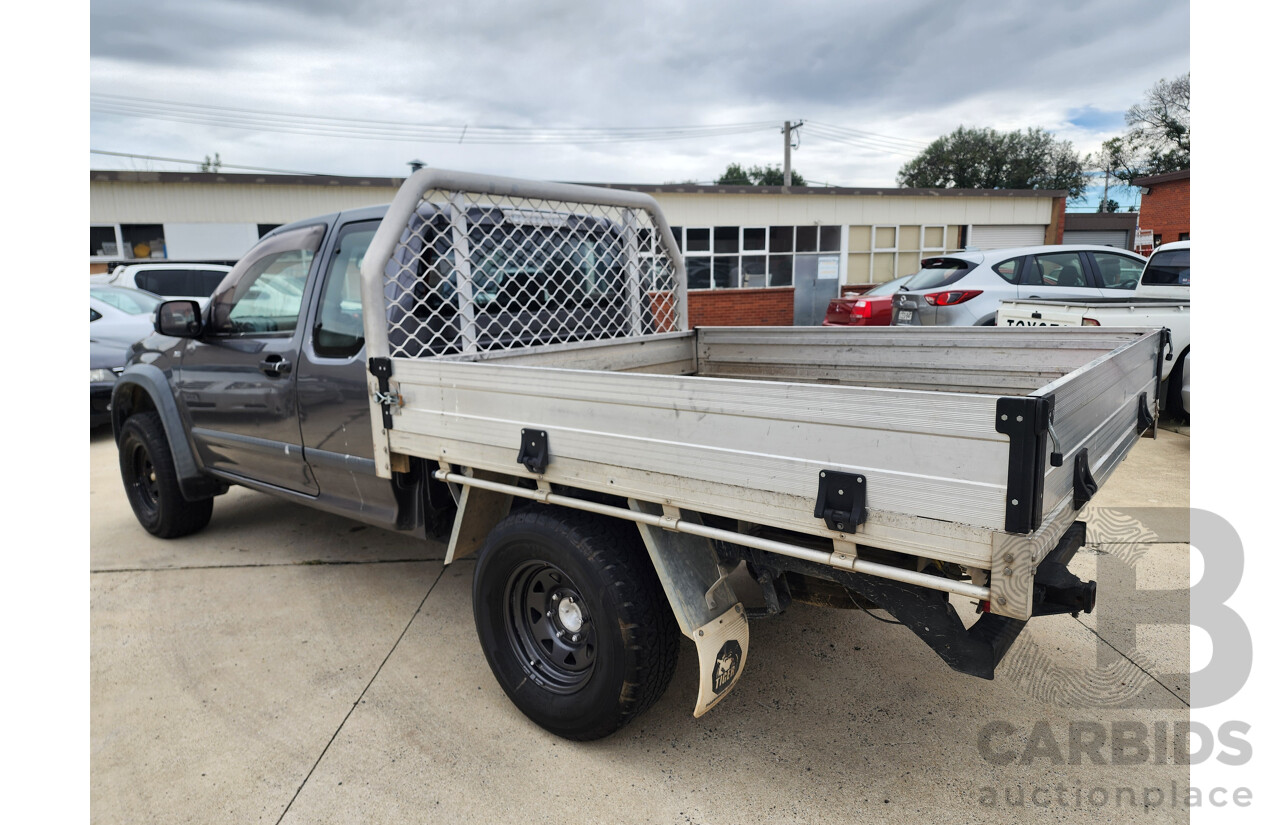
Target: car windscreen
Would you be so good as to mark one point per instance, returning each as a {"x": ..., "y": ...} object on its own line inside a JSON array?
[
  {"x": 126, "y": 300},
  {"x": 936, "y": 272},
  {"x": 1169, "y": 268}
]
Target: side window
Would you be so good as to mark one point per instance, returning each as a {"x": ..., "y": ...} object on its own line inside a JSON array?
[
  {"x": 1008, "y": 270},
  {"x": 1117, "y": 271},
  {"x": 339, "y": 331},
  {"x": 1058, "y": 269},
  {"x": 94, "y": 315},
  {"x": 263, "y": 294}
]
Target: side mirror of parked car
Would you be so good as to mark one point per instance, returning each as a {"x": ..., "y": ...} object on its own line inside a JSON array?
[{"x": 180, "y": 319}]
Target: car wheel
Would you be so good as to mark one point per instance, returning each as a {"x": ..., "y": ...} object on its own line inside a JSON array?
[
  {"x": 573, "y": 620},
  {"x": 151, "y": 482}
]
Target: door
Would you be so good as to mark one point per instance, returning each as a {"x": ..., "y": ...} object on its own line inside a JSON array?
[
  {"x": 1056, "y": 276},
  {"x": 816, "y": 280},
  {"x": 333, "y": 393},
  {"x": 1005, "y": 236},
  {"x": 1116, "y": 275},
  {"x": 237, "y": 380}
]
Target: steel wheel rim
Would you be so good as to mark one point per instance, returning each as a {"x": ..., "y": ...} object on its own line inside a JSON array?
[
  {"x": 144, "y": 478},
  {"x": 544, "y": 613}
]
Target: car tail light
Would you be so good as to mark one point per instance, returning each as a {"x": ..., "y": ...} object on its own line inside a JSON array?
[
  {"x": 1090, "y": 322},
  {"x": 861, "y": 309},
  {"x": 950, "y": 299}
]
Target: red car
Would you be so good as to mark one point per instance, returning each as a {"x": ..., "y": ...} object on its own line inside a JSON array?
[{"x": 873, "y": 308}]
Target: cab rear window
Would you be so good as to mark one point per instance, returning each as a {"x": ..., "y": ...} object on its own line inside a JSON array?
[
  {"x": 936, "y": 272},
  {"x": 1169, "y": 268}
]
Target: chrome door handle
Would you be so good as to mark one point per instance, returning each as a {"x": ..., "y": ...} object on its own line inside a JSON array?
[{"x": 275, "y": 365}]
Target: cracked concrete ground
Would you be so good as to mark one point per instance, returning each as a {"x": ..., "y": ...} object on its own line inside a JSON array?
[{"x": 289, "y": 666}]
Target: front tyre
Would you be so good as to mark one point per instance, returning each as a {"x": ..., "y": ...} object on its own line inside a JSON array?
[
  {"x": 151, "y": 482},
  {"x": 573, "y": 620}
]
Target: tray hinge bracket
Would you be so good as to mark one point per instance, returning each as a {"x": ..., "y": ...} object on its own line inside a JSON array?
[
  {"x": 842, "y": 500},
  {"x": 1082, "y": 480},
  {"x": 534, "y": 451},
  {"x": 1145, "y": 419}
]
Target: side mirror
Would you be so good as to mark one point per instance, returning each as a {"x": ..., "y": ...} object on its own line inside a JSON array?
[{"x": 180, "y": 319}]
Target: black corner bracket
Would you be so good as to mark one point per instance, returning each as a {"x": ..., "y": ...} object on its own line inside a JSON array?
[
  {"x": 380, "y": 368},
  {"x": 1082, "y": 480},
  {"x": 842, "y": 500},
  {"x": 533, "y": 451},
  {"x": 1025, "y": 419}
]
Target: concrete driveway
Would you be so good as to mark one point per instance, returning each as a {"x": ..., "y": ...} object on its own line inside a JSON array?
[{"x": 289, "y": 666}]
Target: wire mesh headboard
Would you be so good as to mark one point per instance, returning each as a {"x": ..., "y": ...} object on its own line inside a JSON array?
[{"x": 466, "y": 264}]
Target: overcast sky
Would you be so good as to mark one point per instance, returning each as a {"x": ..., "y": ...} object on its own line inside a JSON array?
[{"x": 905, "y": 72}]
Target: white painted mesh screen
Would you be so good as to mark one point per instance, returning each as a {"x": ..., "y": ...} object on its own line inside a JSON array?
[{"x": 475, "y": 273}]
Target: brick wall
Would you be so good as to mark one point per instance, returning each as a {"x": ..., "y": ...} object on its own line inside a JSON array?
[
  {"x": 742, "y": 307},
  {"x": 1166, "y": 209}
]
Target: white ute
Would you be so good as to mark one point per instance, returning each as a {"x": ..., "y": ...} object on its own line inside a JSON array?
[{"x": 1162, "y": 299}]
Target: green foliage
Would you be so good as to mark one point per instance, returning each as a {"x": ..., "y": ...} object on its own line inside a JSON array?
[
  {"x": 736, "y": 175},
  {"x": 1109, "y": 205},
  {"x": 980, "y": 158},
  {"x": 1159, "y": 135},
  {"x": 211, "y": 165}
]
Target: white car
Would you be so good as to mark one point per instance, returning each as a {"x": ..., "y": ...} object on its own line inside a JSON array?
[
  {"x": 1161, "y": 299},
  {"x": 120, "y": 315},
  {"x": 193, "y": 281}
]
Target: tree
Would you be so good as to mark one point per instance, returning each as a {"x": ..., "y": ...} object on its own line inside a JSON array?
[
  {"x": 1158, "y": 139},
  {"x": 1109, "y": 205},
  {"x": 211, "y": 165},
  {"x": 981, "y": 158},
  {"x": 736, "y": 175}
]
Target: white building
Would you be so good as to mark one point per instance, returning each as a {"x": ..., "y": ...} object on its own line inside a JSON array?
[{"x": 804, "y": 242}]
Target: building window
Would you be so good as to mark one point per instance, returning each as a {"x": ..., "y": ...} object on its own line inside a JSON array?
[
  {"x": 733, "y": 257},
  {"x": 104, "y": 242},
  {"x": 1184, "y": 236},
  {"x": 142, "y": 240},
  {"x": 881, "y": 253},
  {"x": 264, "y": 228},
  {"x": 1157, "y": 239}
]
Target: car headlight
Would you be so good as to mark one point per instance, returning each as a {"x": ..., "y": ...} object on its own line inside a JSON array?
[{"x": 96, "y": 376}]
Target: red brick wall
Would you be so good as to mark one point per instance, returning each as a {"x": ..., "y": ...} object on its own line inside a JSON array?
[
  {"x": 742, "y": 307},
  {"x": 1166, "y": 209}
]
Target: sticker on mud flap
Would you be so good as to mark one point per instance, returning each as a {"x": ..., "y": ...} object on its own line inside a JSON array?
[{"x": 728, "y": 660}]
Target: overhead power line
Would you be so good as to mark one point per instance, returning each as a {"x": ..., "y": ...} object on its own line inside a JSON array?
[
  {"x": 906, "y": 143},
  {"x": 295, "y": 123},
  {"x": 262, "y": 120},
  {"x": 863, "y": 143},
  {"x": 199, "y": 162}
]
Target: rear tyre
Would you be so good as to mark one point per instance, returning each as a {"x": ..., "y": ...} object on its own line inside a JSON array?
[
  {"x": 151, "y": 482},
  {"x": 573, "y": 620},
  {"x": 1173, "y": 392}
]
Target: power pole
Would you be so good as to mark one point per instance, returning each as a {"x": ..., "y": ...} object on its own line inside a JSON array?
[{"x": 786, "y": 151}]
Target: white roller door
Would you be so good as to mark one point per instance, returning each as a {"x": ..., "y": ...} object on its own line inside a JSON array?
[
  {"x": 1000, "y": 237},
  {"x": 1102, "y": 237}
]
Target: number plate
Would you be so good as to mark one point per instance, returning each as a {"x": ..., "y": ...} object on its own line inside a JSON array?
[{"x": 905, "y": 314}]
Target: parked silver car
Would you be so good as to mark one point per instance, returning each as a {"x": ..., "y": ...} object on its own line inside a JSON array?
[{"x": 966, "y": 288}]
